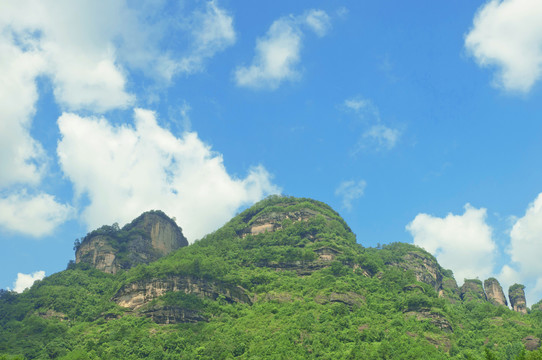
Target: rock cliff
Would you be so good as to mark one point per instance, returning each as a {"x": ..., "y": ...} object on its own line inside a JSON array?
[
  {"x": 141, "y": 292},
  {"x": 516, "y": 293},
  {"x": 147, "y": 238},
  {"x": 427, "y": 270},
  {"x": 472, "y": 289},
  {"x": 494, "y": 292}
]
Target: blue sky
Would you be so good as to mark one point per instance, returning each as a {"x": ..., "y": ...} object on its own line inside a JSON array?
[{"x": 418, "y": 121}]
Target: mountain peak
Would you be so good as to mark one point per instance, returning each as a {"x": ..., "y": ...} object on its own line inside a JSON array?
[{"x": 147, "y": 238}]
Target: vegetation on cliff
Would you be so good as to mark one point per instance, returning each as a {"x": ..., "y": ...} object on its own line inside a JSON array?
[{"x": 285, "y": 279}]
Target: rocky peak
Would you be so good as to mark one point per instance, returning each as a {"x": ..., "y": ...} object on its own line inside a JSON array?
[
  {"x": 494, "y": 292},
  {"x": 516, "y": 294},
  {"x": 472, "y": 289},
  {"x": 426, "y": 269},
  {"x": 147, "y": 238}
]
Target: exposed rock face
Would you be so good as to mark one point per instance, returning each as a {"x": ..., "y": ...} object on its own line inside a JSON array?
[
  {"x": 434, "y": 317},
  {"x": 494, "y": 292},
  {"x": 516, "y": 293},
  {"x": 173, "y": 315},
  {"x": 450, "y": 289},
  {"x": 427, "y": 270},
  {"x": 140, "y": 293},
  {"x": 424, "y": 267},
  {"x": 146, "y": 239},
  {"x": 272, "y": 221},
  {"x": 531, "y": 343},
  {"x": 350, "y": 299},
  {"x": 98, "y": 252},
  {"x": 472, "y": 289}
]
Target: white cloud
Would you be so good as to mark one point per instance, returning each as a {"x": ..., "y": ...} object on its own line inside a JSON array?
[
  {"x": 318, "y": 21},
  {"x": 508, "y": 35},
  {"x": 462, "y": 243},
  {"x": 526, "y": 240},
  {"x": 212, "y": 32},
  {"x": 376, "y": 136},
  {"x": 525, "y": 248},
  {"x": 24, "y": 281},
  {"x": 21, "y": 157},
  {"x": 126, "y": 170},
  {"x": 380, "y": 137},
  {"x": 35, "y": 215},
  {"x": 87, "y": 48},
  {"x": 349, "y": 191},
  {"x": 357, "y": 104},
  {"x": 278, "y": 52},
  {"x": 75, "y": 42}
]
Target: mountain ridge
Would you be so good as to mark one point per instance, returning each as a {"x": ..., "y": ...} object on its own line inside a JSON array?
[{"x": 285, "y": 278}]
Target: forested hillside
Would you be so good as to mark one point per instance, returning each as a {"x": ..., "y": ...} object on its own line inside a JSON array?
[{"x": 285, "y": 279}]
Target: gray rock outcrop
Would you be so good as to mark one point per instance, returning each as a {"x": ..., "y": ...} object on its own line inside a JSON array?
[
  {"x": 146, "y": 239},
  {"x": 516, "y": 294},
  {"x": 473, "y": 289},
  {"x": 494, "y": 292},
  {"x": 141, "y": 292}
]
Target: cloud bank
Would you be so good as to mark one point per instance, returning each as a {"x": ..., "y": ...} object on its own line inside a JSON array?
[{"x": 125, "y": 170}]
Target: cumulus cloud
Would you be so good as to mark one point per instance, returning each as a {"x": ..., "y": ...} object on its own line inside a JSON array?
[
  {"x": 125, "y": 170},
  {"x": 74, "y": 41},
  {"x": 462, "y": 243},
  {"x": 349, "y": 191},
  {"x": 508, "y": 35},
  {"x": 278, "y": 52},
  {"x": 36, "y": 215},
  {"x": 24, "y": 281},
  {"x": 87, "y": 49}
]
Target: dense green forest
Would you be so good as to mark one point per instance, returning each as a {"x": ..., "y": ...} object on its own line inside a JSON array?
[{"x": 285, "y": 279}]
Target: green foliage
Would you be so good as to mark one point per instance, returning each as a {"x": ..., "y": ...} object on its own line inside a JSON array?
[{"x": 315, "y": 293}]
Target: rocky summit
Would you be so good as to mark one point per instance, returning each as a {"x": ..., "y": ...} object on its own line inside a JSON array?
[
  {"x": 494, "y": 292},
  {"x": 284, "y": 279},
  {"x": 147, "y": 238}
]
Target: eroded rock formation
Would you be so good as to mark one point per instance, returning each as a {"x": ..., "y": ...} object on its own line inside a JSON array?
[
  {"x": 173, "y": 315},
  {"x": 516, "y": 294},
  {"x": 272, "y": 221},
  {"x": 146, "y": 239},
  {"x": 494, "y": 292},
  {"x": 140, "y": 293},
  {"x": 427, "y": 270},
  {"x": 472, "y": 289}
]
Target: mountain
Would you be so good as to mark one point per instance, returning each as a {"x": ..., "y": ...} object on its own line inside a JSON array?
[{"x": 284, "y": 279}]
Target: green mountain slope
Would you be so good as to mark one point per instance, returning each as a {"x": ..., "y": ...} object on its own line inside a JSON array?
[{"x": 284, "y": 279}]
